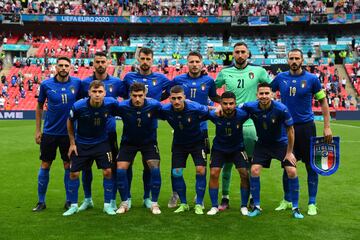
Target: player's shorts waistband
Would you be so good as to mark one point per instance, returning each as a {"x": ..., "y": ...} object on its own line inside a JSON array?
[{"x": 305, "y": 123}]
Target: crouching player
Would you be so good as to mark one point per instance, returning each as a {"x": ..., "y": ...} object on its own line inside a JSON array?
[
  {"x": 90, "y": 142},
  {"x": 269, "y": 118},
  {"x": 228, "y": 146},
  {"x": 185, "y": 117},
  {"x": 139, "y": 135}
]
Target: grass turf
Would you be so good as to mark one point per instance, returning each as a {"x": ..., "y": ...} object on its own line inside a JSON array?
[{"x": 338, "y": 199}]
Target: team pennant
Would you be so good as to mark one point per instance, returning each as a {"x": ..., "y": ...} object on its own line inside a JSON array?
[{"x": 325, "y": 158}]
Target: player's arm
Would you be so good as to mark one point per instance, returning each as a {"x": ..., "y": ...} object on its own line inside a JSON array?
[
  {"x": 321, "y": 97},
  {"x": 70, "y": 128},
  {"x": 38, "y": 116},
  {"x": 166, "y": 89},
  {"x": 265, "y": 76},
  {"x": 220, "y": 80},
  {"x": 289, "y": 151}
]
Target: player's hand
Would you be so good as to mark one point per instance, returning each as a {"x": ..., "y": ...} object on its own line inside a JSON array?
[
  {"x": 38, "y": 136},
  {"x": 327, "y": 135},
  {"x": 72, "y": 149},
  {"x": 291, "y": 158},
  {"x": 218, "y": 111}
]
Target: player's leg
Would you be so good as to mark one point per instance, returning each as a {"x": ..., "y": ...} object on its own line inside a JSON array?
[
  {"x": 178, "y": 163},
  {"x": 216, "y": 162},
  {"x": 242, "y": 165},
  {"x": 124, "y": 161},
  {"x": 86, "y": 178},
  {"x": 250, "y": 139},
  {"x": 147, "y": 177},
  {"x": 114, "y": 151},
  {"x": 173, "y": 201},
  {"x": 154, "y": 165},
  {"x": 255, "y": 188},
  {"x": 293, "y": 187},
  {"x": 309, "y": 130},
  {"x": 261, "y": 159},
  {"x": 103, "y": 158},
  {"x": 64, "y": 144},
  {"x": 73, "y": 186},
  {"x": 150, "y": 154},
  {"x": 47, "y": 155},
  {"x": 198, "y": 155},
  {"x": 78, "y": 162}
]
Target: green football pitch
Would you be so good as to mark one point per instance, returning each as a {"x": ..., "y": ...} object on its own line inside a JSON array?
[{"x": 338, "y": 199}]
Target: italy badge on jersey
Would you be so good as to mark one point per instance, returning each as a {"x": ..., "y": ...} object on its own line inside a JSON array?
[
  {"x": 303, "y": 84},
  {"x": 325, "y": 158}
]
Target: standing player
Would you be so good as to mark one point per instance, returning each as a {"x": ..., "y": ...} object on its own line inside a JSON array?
[
  {"x": 157, "y": 86},
  {"x": 115, "y": 88},
  {"x": 270, "y": 118},
  {"x": 241, "y": 79},
  {"x": 297, "y": 88},
  {"x": 139, "y": 135},
  {"x": 185, "y": 118},
  {"x": 90, "y": 142},
  {"x": 60, "y": 92},
  {"x": 228, "y": 146},
  {"x": 199, "y": 88}
]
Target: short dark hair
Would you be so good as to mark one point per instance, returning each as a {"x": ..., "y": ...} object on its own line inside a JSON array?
[
  {"x": 96, "y": 84},
  {"x": 263, "y": 84},
  {"x": 228, "y": 94},
  {"x": 146, "y": 51},
  {"x": 296, "y": 50},
  {"x": 137, "y": 86},
  {"x": 241, "y": 44},
  {"x": 100, "y": 54},
  {"x": 177, "y": 89},
  {"x": 195, "y": 53},
  {"x": 63, "y": 58}
]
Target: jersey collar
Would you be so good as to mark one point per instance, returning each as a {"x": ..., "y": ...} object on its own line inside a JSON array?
[{"x": 107, "y": 77}]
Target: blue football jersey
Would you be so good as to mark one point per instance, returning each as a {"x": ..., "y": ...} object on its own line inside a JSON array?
[
  {"x": 156, "y": 83},
  {"x": 186, "y": 123},
  {"x": 140, "y": 124},
  {"x": 60, "y": 97},
  {"x": 197, "y": 89},
  {"x": 114, "y": 88},
  {"x": 91, "y": 121},
  {"x": 270, "y": 123},
  {"x": 229, "y": 131},
  {"x": 297, "y": 93}
]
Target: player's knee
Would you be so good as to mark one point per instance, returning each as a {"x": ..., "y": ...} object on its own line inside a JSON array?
[
  {"x": 244, "y": 174},
  {"x": 177, "y": 172},
  {"x": 74, "y": 175},
  {"x": 255, "y": 171},
  {"x": 66, "y": 165},
  {"x": 200, "y": 170},
  {"x": 152, "y": 164},
  {"x": 107, "y": 173},
  {"x": 214, "y": 173},
  {"x": 291, "y": 172},
  {"x": 46, "y": 165}
]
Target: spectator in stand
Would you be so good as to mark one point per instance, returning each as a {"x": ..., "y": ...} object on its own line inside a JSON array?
[
  {"x": 4, "y": 91},
  {"x": 16, "y": 100},
  {"x": 2, "y": 102}
]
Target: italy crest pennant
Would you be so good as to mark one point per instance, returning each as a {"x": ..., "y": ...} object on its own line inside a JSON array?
[{"x": 325, "y": 158}]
